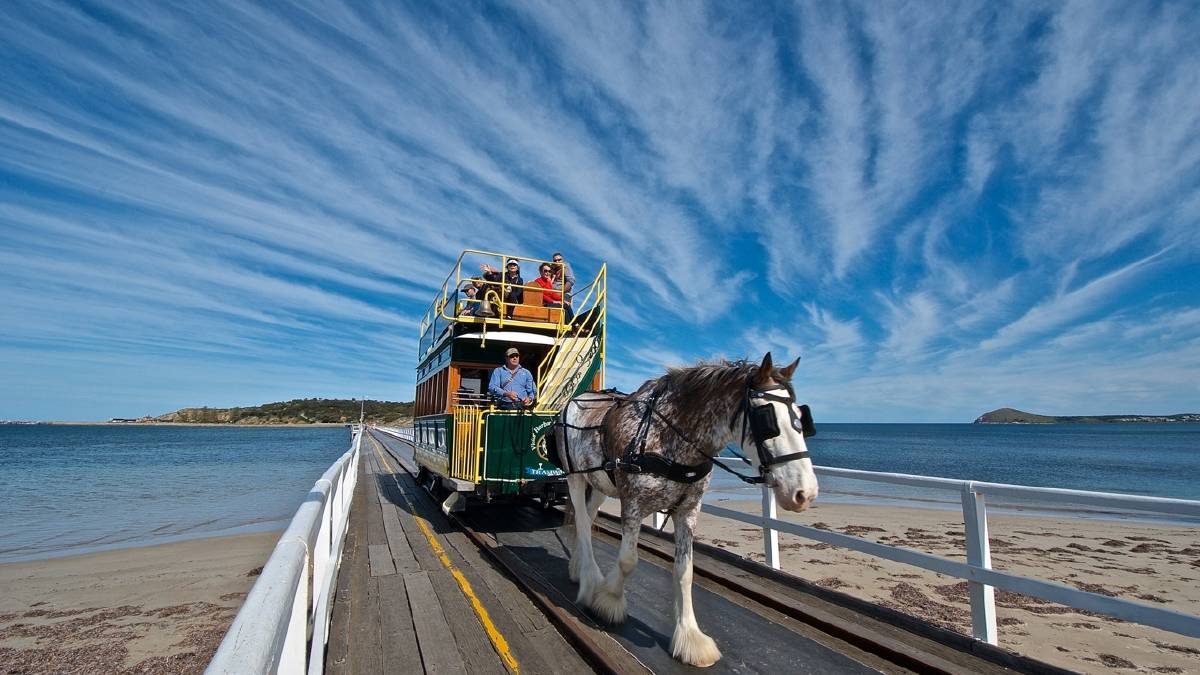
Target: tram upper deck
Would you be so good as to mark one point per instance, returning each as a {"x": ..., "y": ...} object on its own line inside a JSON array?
[{"x": 481, "y": 310}]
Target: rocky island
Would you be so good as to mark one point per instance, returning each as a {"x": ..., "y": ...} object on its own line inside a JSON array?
[
  {"x": 1014, "y": 416},
  {"x": 298, "y": 411}
]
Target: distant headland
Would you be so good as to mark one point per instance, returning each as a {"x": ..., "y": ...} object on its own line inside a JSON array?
[
  {"x": 1013, "y": 416},
  {"x": 298, "y": 411}
]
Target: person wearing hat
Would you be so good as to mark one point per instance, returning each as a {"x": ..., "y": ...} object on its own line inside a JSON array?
[
  {"x": 514, "y": 294},
  {"x": 511, "y": 383}
]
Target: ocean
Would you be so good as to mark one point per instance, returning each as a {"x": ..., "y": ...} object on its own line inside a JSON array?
[
  {"x": 1157, "y": 460},
  {"x": 77, "y": 489},
  {"x": 74, "y": 489}
]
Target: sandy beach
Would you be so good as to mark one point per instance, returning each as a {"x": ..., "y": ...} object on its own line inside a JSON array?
[
  {"x": 156, "y": 609},
  {"x": 1154, "y": 564}
]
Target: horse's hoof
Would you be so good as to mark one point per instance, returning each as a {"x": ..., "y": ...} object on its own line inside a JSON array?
[
  {"x": 589, "y": 584},
  {"x": 694, "y": 648},
  {"x": 609, "y": 607}
]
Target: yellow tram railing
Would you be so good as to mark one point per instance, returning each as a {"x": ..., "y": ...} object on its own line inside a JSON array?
[
  {"x": 572, "y": 344},
  {"x": 468, "y": 420}
]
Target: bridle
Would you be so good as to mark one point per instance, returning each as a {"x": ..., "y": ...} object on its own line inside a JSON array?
[{"x": 762, "y": 425}]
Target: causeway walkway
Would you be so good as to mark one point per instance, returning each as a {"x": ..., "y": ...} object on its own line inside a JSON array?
[
  {"x": 417, "y": 593},
  {"x": 414, "y": 594}
]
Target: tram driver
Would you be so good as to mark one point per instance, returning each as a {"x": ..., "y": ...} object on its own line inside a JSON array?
[{"x": 511, "y": 383}]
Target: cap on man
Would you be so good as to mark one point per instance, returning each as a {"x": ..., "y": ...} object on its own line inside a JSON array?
[{"x": 511, "y": 383}]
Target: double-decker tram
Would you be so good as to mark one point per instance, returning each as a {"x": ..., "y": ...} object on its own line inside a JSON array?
[{"x": 469, "y": 441}]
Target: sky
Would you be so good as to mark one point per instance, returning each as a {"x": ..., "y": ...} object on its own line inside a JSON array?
[{"x": 943, "y": 208}]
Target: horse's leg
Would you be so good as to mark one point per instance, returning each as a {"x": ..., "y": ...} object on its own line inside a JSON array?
[
  {"x": 595, "y": 498},
  {"x": 609, "y": 601},
  {"x": 583, "y": 563},
  {"x": 688, "y": 644}
]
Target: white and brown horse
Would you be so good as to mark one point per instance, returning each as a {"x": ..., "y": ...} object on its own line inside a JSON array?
[{"x": 657, "y": 445}]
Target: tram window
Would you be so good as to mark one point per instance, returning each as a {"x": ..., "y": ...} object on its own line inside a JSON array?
[{"x": 472, "y": 386}]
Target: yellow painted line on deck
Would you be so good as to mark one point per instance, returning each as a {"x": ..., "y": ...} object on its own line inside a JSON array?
[{"x": 493, "y": 633}]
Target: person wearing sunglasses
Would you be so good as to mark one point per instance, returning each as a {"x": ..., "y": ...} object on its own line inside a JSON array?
[
  {"x": 512, "y": 384},
  {"x": 545, "y": 281},
  {"x": 564, "y": 281}
]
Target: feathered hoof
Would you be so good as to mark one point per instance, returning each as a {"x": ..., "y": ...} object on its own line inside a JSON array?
[
  {"x": 694, "y": 648},
  {"x": 608, "y": 607}
]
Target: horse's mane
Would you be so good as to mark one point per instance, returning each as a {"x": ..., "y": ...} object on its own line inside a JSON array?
[
  {"x": 718, "y": 377},
  {"x": 708, "y": 388}
]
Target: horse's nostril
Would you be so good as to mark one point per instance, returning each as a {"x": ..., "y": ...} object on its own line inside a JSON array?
[{"x": 801, "y": 497}]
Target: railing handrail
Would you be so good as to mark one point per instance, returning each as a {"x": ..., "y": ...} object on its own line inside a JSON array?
[
  {"x": 978, "y": 569},
  {"x": 1166, "y": 505},
  {"x": 292, "y": 596},
  {"x": 548, "y": 381},
  {"x": 441, "y": 296}
]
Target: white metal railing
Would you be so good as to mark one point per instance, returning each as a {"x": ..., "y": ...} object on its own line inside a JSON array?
[
  {"x": 293, "y": 593},
  {"x": 403, "y": 433},
  {"x": 978, "y": 572}
]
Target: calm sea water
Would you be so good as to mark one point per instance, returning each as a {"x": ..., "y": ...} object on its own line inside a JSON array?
[
  {"x": 1159, "y": 460},
  {"x": 73, "y": 489}
]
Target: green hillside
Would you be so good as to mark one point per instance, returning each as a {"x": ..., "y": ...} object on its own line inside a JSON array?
[
  {"x": 299, "y": 411},
  {"x": 1013, "y": 416}
]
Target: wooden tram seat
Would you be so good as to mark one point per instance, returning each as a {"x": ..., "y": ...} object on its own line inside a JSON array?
[{"x": 531, "y": 309}]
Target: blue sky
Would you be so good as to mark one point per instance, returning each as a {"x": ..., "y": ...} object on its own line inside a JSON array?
[{"x": 944, "y": 208}]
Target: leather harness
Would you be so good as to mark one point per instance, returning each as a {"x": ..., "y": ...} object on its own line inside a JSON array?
[{"x": 760, "y": 420}]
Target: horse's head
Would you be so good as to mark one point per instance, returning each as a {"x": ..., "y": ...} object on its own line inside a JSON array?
[{"x": 778, "y": 425}]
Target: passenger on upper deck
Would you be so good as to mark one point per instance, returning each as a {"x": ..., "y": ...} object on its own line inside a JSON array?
[
  {"x": 564, "y": 280},
  {"x": 515, "y": 294},
  {"x": 473, "y": 291},
  {"x": 511, "y": 383},
  {"x": 545, "y": 280}
]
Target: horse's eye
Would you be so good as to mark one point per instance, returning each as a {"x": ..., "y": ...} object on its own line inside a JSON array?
[{"x": 798, "y": 424}]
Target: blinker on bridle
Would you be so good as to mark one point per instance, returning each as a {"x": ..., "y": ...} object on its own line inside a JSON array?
[{"x": 764, "y": 426}]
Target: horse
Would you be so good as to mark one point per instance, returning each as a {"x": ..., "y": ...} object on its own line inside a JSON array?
[{"x": 654, "y": 450}]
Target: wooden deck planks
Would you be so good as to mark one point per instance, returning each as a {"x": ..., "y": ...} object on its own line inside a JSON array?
[
  {"x": 399, "y": 609},
  {"x": 398, "y": 633},
  {"x": 337, "y": 655},
  {"x": 402, "y": 554},
  {"x": 439, "y": 652},
  {"x": 531, "y": 640}
]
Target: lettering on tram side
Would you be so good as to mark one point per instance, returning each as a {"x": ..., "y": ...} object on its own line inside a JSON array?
[
  {"x": 537, "y": 431},
  {"x": 542, "y": 472},
  {"x": 539, "y": 444}
]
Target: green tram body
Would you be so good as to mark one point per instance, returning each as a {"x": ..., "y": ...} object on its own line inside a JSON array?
[{"x": 460, "y": 437}]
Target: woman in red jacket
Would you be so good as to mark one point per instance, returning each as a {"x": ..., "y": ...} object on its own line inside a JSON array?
[{"x": 550, "y": 297}]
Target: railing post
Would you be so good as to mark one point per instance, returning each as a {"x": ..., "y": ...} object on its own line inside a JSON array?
[
  {"x": 979, "y": 554},
  {"x": 770, "y": 535}
]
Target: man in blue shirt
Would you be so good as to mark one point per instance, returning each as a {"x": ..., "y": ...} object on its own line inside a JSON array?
[{"x": 511, "y": 383}]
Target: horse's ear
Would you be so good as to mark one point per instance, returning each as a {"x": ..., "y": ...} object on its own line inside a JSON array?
[
  {"x": 788, "y": 370},
  {"x": 764, "y": 369}
]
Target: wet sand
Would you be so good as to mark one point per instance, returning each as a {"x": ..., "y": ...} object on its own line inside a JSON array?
[
  {"x": 1153, "y": 564},
  {"x": 155, "y": 609}
]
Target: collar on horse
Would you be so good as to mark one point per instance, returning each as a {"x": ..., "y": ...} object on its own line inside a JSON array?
[{"x": 759, "y": 420}]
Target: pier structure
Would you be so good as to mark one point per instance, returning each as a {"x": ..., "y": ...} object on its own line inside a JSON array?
[
  {"x": 487, "y": 591},
  {"x": 376, "y": 575}
]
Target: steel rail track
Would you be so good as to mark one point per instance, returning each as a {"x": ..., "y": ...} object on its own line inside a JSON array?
[{"x": 754, "y": 588}]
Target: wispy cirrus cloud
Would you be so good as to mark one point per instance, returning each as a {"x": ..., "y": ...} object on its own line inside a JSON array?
[{"x": 927, "y": 203}]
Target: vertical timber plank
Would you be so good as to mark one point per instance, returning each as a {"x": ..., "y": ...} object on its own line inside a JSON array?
[
  {"x": 439, "y": 652},
  {"x": 399, "y": 636}
]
